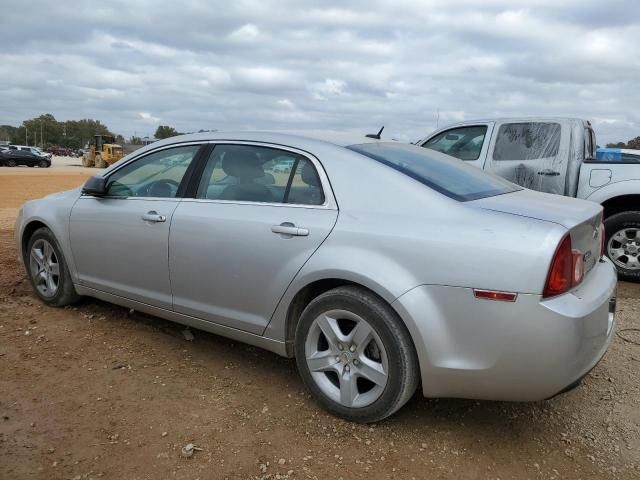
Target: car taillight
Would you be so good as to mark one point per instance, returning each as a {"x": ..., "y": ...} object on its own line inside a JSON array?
[{"x": 566, "y": 271}]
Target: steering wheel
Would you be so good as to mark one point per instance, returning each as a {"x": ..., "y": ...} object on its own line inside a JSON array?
[{"x": 162, "y": 188}]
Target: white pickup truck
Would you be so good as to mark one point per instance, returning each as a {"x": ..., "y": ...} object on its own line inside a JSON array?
[{"x": 557, "y": 155}]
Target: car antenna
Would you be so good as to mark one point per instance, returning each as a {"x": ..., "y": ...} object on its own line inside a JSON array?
[{"x": 375, "y": 135}]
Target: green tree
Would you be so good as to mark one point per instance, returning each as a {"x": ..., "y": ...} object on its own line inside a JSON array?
[
  {"x": 165, "y": 131},
  {"x": 616, "y": 145},
  {"x": 634, "y": 143},
  {"x": 46, "y": 131}
]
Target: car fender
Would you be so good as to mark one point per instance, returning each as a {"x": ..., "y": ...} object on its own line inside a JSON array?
[
  {"x": 612, "y": 190},
  {"x": 55, "y": 216}
]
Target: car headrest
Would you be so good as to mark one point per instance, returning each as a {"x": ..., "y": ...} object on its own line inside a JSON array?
[
  {"x": 243, "y": 164},
  {"x": 309, "y": 175}
]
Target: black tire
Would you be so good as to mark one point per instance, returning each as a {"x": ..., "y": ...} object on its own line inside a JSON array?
[
  {"x": 403, "y": 375},
  {"x": 100, "y": 163},
  {"x": 10, "y": 163},
  {"x": 613, "y": 225},
  {"x": 66, "y": 293},
  {"x": 86, "y": 161},
  {"x": 43, "y": 164}
]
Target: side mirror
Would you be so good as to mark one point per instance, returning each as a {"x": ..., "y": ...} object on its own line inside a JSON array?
[{"x": 96, "y": 186}]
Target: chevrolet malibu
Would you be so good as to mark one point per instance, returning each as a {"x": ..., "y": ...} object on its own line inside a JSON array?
[{"x": 379, "y": 266}]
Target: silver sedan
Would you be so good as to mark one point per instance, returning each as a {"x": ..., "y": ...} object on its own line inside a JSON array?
[{"x": 379, "y": 266}]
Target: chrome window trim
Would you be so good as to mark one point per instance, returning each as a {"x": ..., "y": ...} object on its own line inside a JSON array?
[
  {"x": 330, "y": 202},
  {"x": 324, "y": 206}
]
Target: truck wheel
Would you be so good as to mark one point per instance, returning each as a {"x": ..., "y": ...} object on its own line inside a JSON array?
[
  {"x": 86, "y": 161},
  {"x": 99, "y": 162},
  {"x": 622, "y": 244}
]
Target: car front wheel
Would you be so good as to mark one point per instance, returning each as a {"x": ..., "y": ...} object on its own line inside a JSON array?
[
  {"x": 48, "y": 271},
  {"x": 355, "y": 355}
]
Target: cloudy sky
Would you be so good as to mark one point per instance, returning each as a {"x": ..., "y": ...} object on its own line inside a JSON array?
[{"x": 330, "y": 65}]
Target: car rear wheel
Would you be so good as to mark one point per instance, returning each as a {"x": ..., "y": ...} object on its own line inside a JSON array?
[
  {"x": 10, "y": 163},
  {"x": 623, "y": 244},
  {"x": 48, "y": 271},
  {"x": 355, "y": 355}
]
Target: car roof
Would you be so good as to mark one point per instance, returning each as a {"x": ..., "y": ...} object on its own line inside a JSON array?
[
  {"x": 304, "y": 140},
  {"x": 518, "y": 119}
]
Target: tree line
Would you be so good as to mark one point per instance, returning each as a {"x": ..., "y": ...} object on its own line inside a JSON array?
[
  {"x": 633, "y": 144},
  {"x": 45, "y": 131}
]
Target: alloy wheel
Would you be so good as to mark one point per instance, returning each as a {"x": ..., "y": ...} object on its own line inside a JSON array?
[
  {"x": 346, "y": 358},
  {"x": 624, "y": 248},
  {"x": 44, "y": 267}
]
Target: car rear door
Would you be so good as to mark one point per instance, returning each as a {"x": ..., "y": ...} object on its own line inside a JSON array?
[
  {"x": 120, "y": 242},
  {"x": 236, "y": 246},
  {"x": 468, "y": 142}
]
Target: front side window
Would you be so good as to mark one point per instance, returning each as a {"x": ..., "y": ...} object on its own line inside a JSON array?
[
  {"x": 449, "y": 176},
  {"x": 246, "y": 173},
  {"x": 464, "y": 143},
  {"x": 156, "y": 175},
  {"x": 527, "y": 141}
]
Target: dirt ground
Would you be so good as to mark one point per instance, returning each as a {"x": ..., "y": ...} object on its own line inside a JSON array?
[{"x": 95, "y": 391}]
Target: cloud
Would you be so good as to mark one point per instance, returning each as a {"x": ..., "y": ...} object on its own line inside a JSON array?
[
  {"x": 147, "y": 117},
  {"x": 321, "y": 65}
]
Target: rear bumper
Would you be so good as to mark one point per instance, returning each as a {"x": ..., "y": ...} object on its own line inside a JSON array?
[{"x": 527, "y": 350}]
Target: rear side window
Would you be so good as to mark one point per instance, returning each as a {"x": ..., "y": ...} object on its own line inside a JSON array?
[
  {"x": 247, "y": 173},
  {"x": 449, "y": 176},
  {"x": 464, "y": 143},
  {"x": 527, "y": 141}
]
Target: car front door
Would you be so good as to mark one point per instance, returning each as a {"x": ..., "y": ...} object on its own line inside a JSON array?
[
  {"x": 466, "y": 142},
  {"x": 236, "y": 246},
  {"x": 120, "y": 241}
]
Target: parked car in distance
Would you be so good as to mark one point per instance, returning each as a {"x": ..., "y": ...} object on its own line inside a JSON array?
[
  {"x": 13, "y": 158},
  {"x": 556, "y": 155},
  {"x": 61, "y": 151},
  {"x": 34, "y": 150},
  {"x": 423, "y": 271},
  {"x": 282, "y": 165}
]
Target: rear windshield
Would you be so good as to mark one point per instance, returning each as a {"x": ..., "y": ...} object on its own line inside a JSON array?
[{"x": 444, "y": 174}]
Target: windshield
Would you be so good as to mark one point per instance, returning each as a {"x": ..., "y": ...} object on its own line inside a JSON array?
[{"x": 444, "y": 174}]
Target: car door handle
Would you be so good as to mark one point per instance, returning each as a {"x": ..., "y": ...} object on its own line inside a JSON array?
[
  {"x": 153, "y": 216},
  {"x": 548, "y": 172},
  {"x": 288, "y": 228}
]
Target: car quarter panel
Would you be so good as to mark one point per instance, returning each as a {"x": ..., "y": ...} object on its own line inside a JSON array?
[{"x": 393, "y": 233}]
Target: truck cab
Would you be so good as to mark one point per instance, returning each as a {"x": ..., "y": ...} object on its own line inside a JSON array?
[{"x": 557, "y": 155}]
